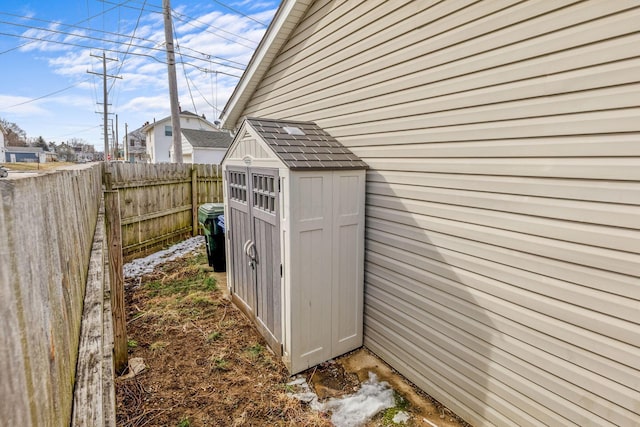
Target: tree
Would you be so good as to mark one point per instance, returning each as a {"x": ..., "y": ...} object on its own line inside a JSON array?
[
  {"x": 14, "y": 135},
  {"x": 40, "y": 142}
]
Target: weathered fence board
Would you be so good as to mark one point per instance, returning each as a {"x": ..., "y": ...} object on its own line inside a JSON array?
[
  {"x": 47, "y": 225},
  {"x": 94, "y": 402},
  {"x": 116, "y": 278},
  {"x": 159, "y": 202}
]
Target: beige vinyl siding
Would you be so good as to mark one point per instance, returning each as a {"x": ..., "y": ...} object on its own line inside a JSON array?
[{"x": 502, "y": 268}]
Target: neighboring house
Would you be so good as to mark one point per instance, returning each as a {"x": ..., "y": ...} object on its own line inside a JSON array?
[
  {"x": 2, "y": 148},
  {"x": 24, "y": 154},
  {"x": 48, "y": 156},
  {"x": 502, "y": 270},
  {"x": 204, "y": 146},
  {"x": 137, "y": 146},
  {"x": 159, "y": 134},
  {"x": 83, "y": 155}
]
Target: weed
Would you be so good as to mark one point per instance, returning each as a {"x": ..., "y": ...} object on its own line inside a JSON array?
[
  {"x": 184, "y": 422},
  {"x": 401, "y": 404},
  {"x": 138, "y": 315},
  {"x": 158, "y": 346},
  {"x": 199, "y": 259},
  {"x": 220, "y": 363},
  {"x": 288, "y": 388},
  {"x": 214, "y": 336},
  {"x": 199, "y": 299},
  {"x": 131, "y": 343},
  {"x": 210, "y": 284},
  {"x": 400, "y": 401},
  {"x": 200, "y": 281},
  {"x": 255, "y": 350}
]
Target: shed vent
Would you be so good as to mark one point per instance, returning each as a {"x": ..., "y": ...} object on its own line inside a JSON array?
[{"x": 291, "y": 130}]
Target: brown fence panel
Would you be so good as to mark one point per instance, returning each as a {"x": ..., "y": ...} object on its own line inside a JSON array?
[
  {"x": 209, "y": 183},
  {"x": 156, "y": 201}
]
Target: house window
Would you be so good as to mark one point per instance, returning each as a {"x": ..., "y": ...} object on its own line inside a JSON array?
[{"x": 168, "y": 131}]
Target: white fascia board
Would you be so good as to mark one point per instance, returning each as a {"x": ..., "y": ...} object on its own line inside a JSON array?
[{"x": 276, "y": 36}]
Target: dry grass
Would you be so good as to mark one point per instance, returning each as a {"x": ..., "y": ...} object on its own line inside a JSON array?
[
  {"x": 206, "y": 364},
  {"x": 25, "y": 166}
]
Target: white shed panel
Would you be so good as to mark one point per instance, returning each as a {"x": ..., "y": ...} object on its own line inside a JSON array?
[{"x": 295, "y": 220}]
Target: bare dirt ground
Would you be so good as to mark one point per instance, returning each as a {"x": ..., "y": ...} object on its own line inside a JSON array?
[{"x": 206, "y": 365}]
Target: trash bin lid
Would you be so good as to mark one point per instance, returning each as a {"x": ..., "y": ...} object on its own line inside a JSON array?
[{"x": 209, "y": 211}]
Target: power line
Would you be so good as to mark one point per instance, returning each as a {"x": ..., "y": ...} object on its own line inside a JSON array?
[
  {"x": 186, "y": 19},
  {"x": 133, "y": 34},
  {"x": 108, "y": 50},
  {"x": 130, "y": 36},
  {"x": 45, "y": 96},
  {"x": 84, "y": 20},
  {"x": 44, "y": 21},
  {"x": 184, "y": 71},
  {"x": 240, "y": 13}
]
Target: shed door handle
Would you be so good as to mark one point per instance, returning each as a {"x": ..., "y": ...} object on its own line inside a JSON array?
[{"x": 250, "y": 249}]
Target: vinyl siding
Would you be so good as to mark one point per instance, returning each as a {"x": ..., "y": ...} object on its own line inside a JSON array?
[{"x": 502, "y": 270}]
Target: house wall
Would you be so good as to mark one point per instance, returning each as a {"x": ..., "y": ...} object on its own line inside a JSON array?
[
  {"x": 208, "y": 155},
  {"x": 502, "y": 238},
  {"x": 15, "y": 156},
  {"x": 2, "y": 145},
  {"x": 158, "y": 144}
]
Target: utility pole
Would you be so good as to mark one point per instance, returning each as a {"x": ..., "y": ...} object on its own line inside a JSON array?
[
  {"x": 126, "y": 142},
  {"x": 173, "y": 85},
  {"x": 105, "y": 104},
  {"x": 117, "y": 140}
]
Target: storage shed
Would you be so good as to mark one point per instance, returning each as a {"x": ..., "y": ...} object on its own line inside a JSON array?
[{"x": 294, "y": 203}]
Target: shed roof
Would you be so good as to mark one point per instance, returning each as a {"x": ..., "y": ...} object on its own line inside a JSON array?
[
  {"x": 304, "y": 145},
  {"x": 207, "y": 139}
]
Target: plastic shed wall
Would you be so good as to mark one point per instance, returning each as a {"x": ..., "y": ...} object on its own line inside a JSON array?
[{"x": 326, "y": 265}]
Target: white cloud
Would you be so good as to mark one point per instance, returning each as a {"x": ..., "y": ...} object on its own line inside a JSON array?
[
  {"x": 141, "y": 95},
  {"x": 20, "y": 106}
]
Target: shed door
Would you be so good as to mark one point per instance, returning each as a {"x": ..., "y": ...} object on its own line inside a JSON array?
[{"x": 255, "y": 247}]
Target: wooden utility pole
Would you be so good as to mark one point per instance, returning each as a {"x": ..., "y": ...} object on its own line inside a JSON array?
[
  {"x": 173, "y": 85},
  {"x": 117, "y": 140},
  {"x": 105, "y": 104},
  {"x": 126, "y": 142}
]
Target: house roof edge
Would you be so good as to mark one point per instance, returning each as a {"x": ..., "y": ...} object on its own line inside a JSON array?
[{"x": 285, "y": 20}]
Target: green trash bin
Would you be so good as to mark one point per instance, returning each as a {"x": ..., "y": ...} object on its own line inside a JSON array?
[{"x": 211, "y": 218}]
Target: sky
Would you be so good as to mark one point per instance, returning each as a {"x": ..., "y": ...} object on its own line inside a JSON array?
[{"x": 49, "y": 50}]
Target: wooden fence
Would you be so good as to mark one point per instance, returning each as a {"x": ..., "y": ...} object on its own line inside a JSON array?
[
  {"x": 52, "y": 259},
  {"x": 159, "y": 202},
  {"x": 47, "y": 226}
]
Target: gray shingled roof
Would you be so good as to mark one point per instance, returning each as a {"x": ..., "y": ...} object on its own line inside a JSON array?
[
  {"x": 305, "y": 145},
  {"x": 207, "y": 138}
]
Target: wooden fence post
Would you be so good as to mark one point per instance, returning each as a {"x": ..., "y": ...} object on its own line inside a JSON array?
[
  {"x": 194, "y": 200},
  {"x": 116, "y": 275}
]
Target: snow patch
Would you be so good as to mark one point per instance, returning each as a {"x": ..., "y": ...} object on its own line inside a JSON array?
[
  {"x": 352, "y": 410},
  {"x": 141, "y": 266},
  {"x": 401, "y": 418}
]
